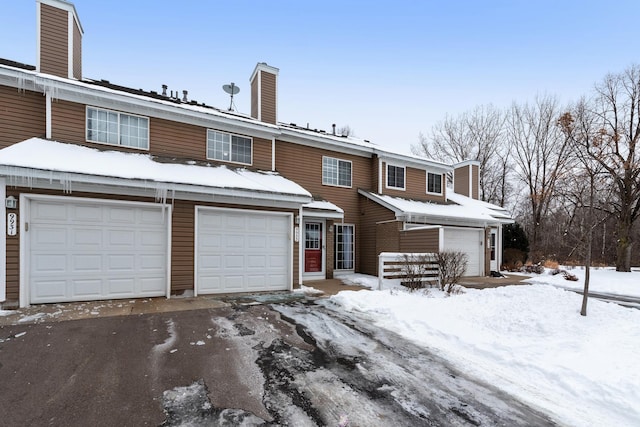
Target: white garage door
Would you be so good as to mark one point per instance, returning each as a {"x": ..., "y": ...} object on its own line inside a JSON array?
[
  {"x": 81, "y": 250},
  {"x": 242, "y": 251},
  {"x": 469, "y": 242}
]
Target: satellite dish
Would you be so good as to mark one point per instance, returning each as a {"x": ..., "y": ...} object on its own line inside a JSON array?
[{"x": 231, "y": 89}]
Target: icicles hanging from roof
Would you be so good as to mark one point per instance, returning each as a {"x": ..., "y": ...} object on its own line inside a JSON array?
[
  {"x": 161, "y": 192},
  {"x": 66, "y": 182},
  {"x": 19, "y": 177}
]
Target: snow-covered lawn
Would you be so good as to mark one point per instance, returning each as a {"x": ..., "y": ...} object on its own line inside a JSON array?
[
  {"x": 606, "y": 280},
  {"x": 527, "y": 340}
]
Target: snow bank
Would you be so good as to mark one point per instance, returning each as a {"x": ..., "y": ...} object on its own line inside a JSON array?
[
  {"x": 606, "y": 280},
  {"x": 529, "y": 341}
]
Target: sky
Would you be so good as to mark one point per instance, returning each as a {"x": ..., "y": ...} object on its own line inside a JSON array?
[{"x": 388, "y": 70}]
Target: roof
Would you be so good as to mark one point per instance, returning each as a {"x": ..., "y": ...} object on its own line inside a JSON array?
[
  {"x": 200, "y": 114},
  {"x": 323, "y": 209},
  {"x": 70, "y": 162},
  {"x": 464, "y": 210}
]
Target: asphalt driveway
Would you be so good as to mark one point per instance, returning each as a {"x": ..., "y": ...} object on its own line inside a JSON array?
[{"x": 298, "y": 363}]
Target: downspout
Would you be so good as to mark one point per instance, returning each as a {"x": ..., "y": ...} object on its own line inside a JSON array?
[
  {"x": 300, "y": 250},
  {"x": 273, "y": 154},
  {"x": 379, "y": 175},
  {"x": 48, "y": 114}
]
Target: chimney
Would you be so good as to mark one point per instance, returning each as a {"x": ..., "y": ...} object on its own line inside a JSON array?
[
  {"x": 59, "y": 39},
  {"x": 264, "y": 93},
  {"x": 466, "y": 178}
]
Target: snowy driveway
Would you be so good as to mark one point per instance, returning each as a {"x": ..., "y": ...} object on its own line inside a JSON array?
[{"x": 280, "y": 364}]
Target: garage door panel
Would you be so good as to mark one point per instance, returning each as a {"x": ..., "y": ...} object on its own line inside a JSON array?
[
  {"x": 96, "y": 250},
  {"x": 237, "y": 256},
  {"x": 469, "y": 242}
]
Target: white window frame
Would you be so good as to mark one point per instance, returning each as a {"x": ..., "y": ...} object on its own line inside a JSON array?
[
  {"x": 353, "y": 249},
  {"x": 441, "y": 185},
  {"x": 326, "y": 180},
  {"x": 119, "y": 114},
  {"x": 404, "y": 177},
  {"x": 231, "y": 135}
]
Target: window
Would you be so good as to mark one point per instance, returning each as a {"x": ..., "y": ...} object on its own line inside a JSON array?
[
  {"x": 336, "y": 172},
  {"x": 395, "y": 177},
  {"x": 111, "y": 127},
  {"x": 344, "y": 247},
  {"x": 434, "y": 183},
  {"x": 229, "y": 148}
]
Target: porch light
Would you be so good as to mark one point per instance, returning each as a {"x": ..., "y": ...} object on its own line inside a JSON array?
[{"x": 10, "y": 202}]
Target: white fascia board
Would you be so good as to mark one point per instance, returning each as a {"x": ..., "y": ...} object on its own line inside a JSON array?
[
  {"x": 85, "y": 93},
  {"x": 316, "y": 213},
  {"x": 414, "y": 162},
  {"x": 110, "y": 185},
  {"x": 324, "y": 143},
  {"x": 467, "y": 163},
  {"x": 444, "y": 220}
]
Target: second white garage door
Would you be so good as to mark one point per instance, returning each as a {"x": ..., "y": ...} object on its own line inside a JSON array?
[
  {"x": 242, "y": 251},
  {"x": 468, "y": 241}
]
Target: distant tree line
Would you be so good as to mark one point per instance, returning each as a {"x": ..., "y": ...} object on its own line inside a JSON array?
[{"x": 569, "y": 173}]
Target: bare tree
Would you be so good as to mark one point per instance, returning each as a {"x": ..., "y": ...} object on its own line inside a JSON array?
[
  {"x": 474, "y": 135},
  {"x": 345, "y": 131},
  {"x": 541, "y": 158},
  {"x": 615, "y": 147}
]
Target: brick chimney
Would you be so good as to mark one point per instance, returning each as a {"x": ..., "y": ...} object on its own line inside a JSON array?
[
  {"x": 466, "y": 178},
  {"x": 59, "y": 39},
  {"x": 264, "y": 93}
]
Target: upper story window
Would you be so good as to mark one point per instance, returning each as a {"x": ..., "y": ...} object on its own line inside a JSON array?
[
  {"x": 395, "y": 177},
  {"x": 336, "y": 172},
  {"x": 434, "y": 183},
  {"x": 229, "y": 148},
  {"x": 112, "y": 127}
]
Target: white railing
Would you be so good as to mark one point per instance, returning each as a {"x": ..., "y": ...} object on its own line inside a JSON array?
[{"x": 422, "y": 266}]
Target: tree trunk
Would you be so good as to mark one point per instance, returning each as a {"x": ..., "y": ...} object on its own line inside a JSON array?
[{"x": 623, "y": 259}]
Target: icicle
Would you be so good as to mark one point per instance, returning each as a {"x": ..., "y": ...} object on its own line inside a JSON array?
[
  {"x": 161, "y": 193},
  {"x": 66, "y": 182},
  {"x": 21, "y": 84}
]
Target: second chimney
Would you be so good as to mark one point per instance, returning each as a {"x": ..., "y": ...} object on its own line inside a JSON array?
[
  {"x": 264, "y": 93},
  {"x": 59, "y": 39}
]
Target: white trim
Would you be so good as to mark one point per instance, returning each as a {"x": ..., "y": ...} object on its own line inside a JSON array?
[
  {"x": 322, "y": 274},
  {"x": 230, "y": 147},
  {"x": 470, "y": 181},
  {"x": 3, "y": 241},
  {"x": 273, "y": 154},
  {"x": 380, "y": 175},
  {"x": 25, "y": 215},
  {"x": 199, "y": 208},
  {"x": 442, "y": 184},
  {"x": 169, "y": 214},
  {"x": 119, "y": 113},
  {"x": 441, "y": 239},
  {"x": 404, "y": 179},
  {"x": 335, "y": 248},
  {"x": 300, "y": 246},
  {"x": 259, "y": 96},
  {"x": 338, "y": 160},
  {"x": 48, "y": 115}
]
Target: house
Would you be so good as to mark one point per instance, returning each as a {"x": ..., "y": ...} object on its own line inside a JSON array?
[{"x": 112, "y": 192}]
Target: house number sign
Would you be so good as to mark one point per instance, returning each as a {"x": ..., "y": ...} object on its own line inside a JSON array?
[{"x": 12, "y": 224}]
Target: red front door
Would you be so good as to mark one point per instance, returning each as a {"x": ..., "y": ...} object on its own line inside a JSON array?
[{"x": 312, "y": 247}]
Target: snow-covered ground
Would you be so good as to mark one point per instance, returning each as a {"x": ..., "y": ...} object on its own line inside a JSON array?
[
  {"x": 606, "y": 280},
  {"x": 530, "y": 341}
]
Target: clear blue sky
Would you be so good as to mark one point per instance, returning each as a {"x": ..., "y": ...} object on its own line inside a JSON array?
[{"x": 388, "y": 69}]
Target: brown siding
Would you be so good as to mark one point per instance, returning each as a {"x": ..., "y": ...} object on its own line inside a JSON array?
[
  {"x": 262, "y": 154},
  {"x": 182, "y": 240},
  {"x": 68, "y": 122},
  {"x": 77, "y": 51},
  {"x": 331, "y": 249},
  {"x": 475, "y": 175},
  {"x": 254, "y": 98},
  {"x": 461, "y": 180},
  {"x": 372, "y": 214},
  {"x": 174, "y": 139},
  {"x": 420, "y": 240},
  {"x": 268, "y": 97},
  {"x": 415, "y": 185},
  {"x": 54, "y": 41},
  {"x": 375, "y": 175},
  {"x": 22, "y": 115},
  {"x": 304, "y": 166}
]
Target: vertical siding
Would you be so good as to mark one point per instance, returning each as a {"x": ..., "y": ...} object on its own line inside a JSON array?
[
  {"x": 77, "y": 51},
  {"x": 425, "y": 240},
  {"x": 254, "y": 98},
  {"x": 22, "y": 116},
  {"x": 268, "y": 97},
  {"x": 304, "y": 166},
  {"x": 54, "y": 41},
  {"x": 415, "y": 185},
  {"x": 182, "y": 246},
  {"x": 475, "y": 175},
  {"x": 461, "y": 180},
  {"x": 372, "y": 213}
]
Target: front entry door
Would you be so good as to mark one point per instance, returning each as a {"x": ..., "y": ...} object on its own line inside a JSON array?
[
  {"x": 493, "y": 239},
  {"x": 313, "y": 249}
]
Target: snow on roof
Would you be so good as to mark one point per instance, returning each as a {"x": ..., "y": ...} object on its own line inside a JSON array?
[
  {"x": 496, "y": 211},
  {"x": 41, "y": 154},
  {"x": 323, "y": 205},
  {"x": 452, "y": 212}
]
